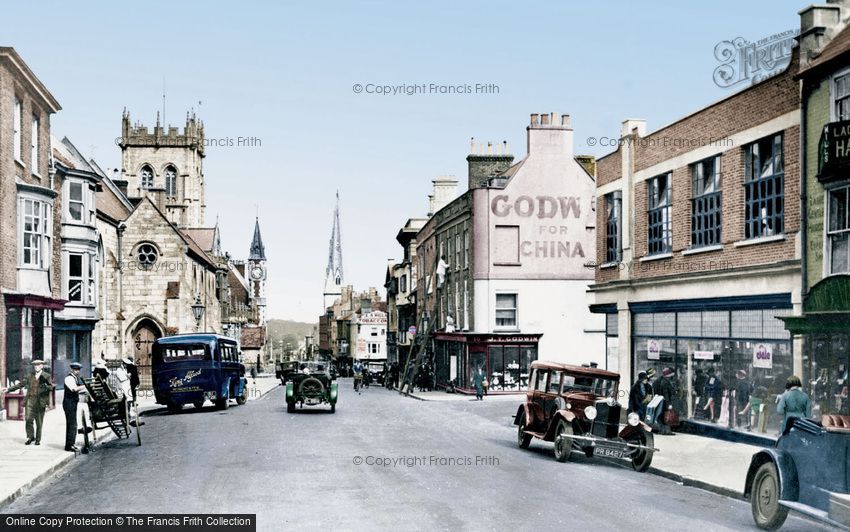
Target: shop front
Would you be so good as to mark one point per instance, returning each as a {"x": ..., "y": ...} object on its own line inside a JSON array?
[
  {"x": 825, "y": 330},
  {"x": 729, "y": 357},
  {"x": 504, "y": 357}
]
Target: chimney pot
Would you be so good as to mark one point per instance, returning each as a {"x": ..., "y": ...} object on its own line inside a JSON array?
[
  {"x": 544, "y": 120},
  {"x": 489, "y": 148},
  {"x": 534, "y": 119},
  {"x": 565, "y": 120}
]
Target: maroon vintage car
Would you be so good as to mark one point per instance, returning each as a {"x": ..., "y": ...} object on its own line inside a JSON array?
[{"x": 576, "y": 408}]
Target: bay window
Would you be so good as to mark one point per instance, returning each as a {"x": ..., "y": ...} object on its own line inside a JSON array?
[{"x": 35, "y": 230}]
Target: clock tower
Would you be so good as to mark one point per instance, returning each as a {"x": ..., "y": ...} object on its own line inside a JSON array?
[{"x": 256, "y": 276}]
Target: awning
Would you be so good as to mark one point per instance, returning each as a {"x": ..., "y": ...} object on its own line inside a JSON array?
[{"x": 826, "y": 308}]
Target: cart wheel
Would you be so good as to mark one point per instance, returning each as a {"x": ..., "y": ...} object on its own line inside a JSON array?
[{"x": 138, "y": 425}]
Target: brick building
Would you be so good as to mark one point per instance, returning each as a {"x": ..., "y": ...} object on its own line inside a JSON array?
[
  {"x": 30, "y": 215},
  {"x": 400, "y": 283},
  {"x": 698, "y": 248},
  {"x": 502, "y": 268}
]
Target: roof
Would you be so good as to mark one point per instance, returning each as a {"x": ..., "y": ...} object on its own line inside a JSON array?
[
  {"x": 258, "y": 251},
  {"x": 838, "y": 46},
  {"x": 203, "y": 236},
  {"x": 238, "y": 285},
  {"x": 253, "y": 337},
  {"x": 9, "y": 53},
  {"x": 110, "y": 204},
  {"x": 581, "y": 370},
  {"x": 194, "y": 248}
]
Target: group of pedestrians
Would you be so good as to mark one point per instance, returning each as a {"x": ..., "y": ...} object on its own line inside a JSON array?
[{"x": 39, "y": 386}]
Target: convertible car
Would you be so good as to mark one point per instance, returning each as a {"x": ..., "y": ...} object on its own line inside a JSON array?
[
  {"x": 312, "y": 384},
  {"x": 807, "y": 471}
]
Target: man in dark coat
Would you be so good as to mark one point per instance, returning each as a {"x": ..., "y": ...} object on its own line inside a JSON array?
[
  {"x": 637, "y": 394},
  {"x": 478, "y": 379},
  {"x": 133, "y": 373},
  {"x": 39, "y": 386}
]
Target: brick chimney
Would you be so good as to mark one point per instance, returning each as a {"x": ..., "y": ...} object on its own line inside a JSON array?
[
  {"x": 486, "y": 162},
  {"x": 119, "y": 181},
  {"x": 819, "y": 23},
  {"x": 550, "y": 133}
]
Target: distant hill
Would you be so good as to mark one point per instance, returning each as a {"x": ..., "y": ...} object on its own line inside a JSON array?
[{"x": 282, "y": 332}]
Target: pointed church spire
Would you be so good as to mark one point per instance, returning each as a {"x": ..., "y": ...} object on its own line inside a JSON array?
[
  {"x": 258, "y": 251},
  {"x": 333, "y": 274}
]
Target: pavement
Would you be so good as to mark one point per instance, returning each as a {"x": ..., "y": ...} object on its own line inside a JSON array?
[
  {"x": 381, "y": 461},
  {"x": 707, "y": 463},
  {"x": 24, "y": 466}
]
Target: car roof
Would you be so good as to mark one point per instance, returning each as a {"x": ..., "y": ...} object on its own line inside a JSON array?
[
  {"x": 197, "y": 338},
  {"x": 578, "y": 370}
]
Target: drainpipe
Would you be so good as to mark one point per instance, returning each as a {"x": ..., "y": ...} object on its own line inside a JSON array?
[
  {"x": 804, "y": 192},
  {"x": 120, "y": 231}
]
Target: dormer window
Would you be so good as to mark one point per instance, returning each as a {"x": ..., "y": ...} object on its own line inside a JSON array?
[
  {"x": 146, "y": 177},
  {"x": 171, "y": 182}
]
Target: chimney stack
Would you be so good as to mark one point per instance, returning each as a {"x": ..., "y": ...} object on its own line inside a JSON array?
[
  {"x": 550, "y": 135},
  {"x": 483, "y": 166},
  {"x": 445, "y": 190},
  {"x": 819, "y": 23}
]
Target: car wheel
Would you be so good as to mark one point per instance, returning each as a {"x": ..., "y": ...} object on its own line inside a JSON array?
[
  {"x": 643, "y": 458},
  {"x": 198, "y": 404},
  {"x": 242, "y": 399},
  {"x": 174, "y": 408},
  {"x": 563, "y": 441},
  {"x": 290, "y": 407},
  {"x": 522, "y": 439},
  {"x": 333, "y": 408},
  {"x": 222, "y": 404},
  {"x": 767, "y": 512}
]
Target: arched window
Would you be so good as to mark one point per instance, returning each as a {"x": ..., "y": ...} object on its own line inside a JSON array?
[
  {"x": 146, "y": 177},
  {"x": 171, "y": 182}
]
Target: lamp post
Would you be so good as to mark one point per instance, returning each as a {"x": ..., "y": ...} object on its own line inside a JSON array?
[
  {"x": 307, "y": 347},
  {"x": 198, "y": 311}
]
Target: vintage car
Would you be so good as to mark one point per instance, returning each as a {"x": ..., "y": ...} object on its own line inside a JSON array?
[
  {"x": 807, "y": 470},
  {"x": 576, "y": 408},
  {"x": 311, "y": 385},
  {"x": 284, "y": 369}
]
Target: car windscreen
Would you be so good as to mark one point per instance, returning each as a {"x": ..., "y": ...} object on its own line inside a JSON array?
[
  {"x": 178, "y": 353},
  {"x": 596, "y": 385}
]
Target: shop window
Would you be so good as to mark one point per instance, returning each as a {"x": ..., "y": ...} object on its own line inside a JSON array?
[
  {"x": 841, "y": 96},
  {"x": 613, "y": 226},
  {"x": 690, "y": 323},
  {"x": 715, "y": 324},
  {"x": 705, "y": 203},
  {"x": 660, "y": 237},
  {"x": 664, "y": 323},
  {"x": 838, "y": 231},
  {"x": 506, "y": 311},
  {"x": 642, "y": 324},
  {"x": 764, "y": 185},
  {"x": 774, "y": 328},
  {"x": 506, "y": 245},
  {"x": 747, "y": 324},
  {"x": 611, "y": 324}
]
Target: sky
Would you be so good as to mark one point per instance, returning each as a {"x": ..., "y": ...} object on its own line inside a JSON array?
[{"x": 285, "y": 74}]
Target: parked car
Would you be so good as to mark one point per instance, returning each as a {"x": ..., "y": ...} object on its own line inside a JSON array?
[
  {"x": 807, "y": 471},
  {"x": 311, "y": 385},
  {"x": 575, "y": 407}
]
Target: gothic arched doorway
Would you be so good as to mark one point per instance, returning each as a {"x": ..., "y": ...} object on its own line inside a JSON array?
[{"x": 144, "y": 335}]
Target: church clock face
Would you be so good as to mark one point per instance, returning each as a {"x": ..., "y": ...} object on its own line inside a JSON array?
[{"x": 257, "y": 273}]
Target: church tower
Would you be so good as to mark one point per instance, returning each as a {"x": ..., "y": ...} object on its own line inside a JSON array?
[
  {"x": 165, "y": 165},
  {"x": 257, "y": 276},
  {"x": 333, "y": 273}
]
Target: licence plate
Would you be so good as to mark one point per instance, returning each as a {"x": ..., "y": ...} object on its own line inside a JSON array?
[
  {"x": 610, "y": 453},
  {"x": 312, "y": 401}
]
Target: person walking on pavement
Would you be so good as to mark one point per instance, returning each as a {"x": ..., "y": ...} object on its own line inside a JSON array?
[
  {"x": 794, "y": 402},
  {"x": 100, "y": 370},
  {"x": 478, "y": 381},
  {"x": 637, "y": 395},
  {"x": 133, "y": 373},
  {"x": 38, "y": 387},
  {"x": 73, "y": 386},
  {"x": 743, "y": 391}
]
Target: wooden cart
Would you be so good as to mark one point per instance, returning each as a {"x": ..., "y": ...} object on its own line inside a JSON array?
[{"x": 106, "y": 409}]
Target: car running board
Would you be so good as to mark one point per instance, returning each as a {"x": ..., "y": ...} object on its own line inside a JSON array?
[{"x": 812, "y": 512}]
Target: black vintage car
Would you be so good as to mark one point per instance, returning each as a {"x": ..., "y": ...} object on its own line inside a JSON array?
[
  {"x": 284, "y": 369},
  {"x": 807, "y": 471},
  {"x": 575, "y": 407},
  {"x": 312, "y": 384}
]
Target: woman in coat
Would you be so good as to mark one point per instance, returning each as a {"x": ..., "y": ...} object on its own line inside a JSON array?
[{"x": 794, "y": 402}]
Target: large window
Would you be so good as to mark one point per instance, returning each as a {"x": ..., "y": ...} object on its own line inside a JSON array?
[
  {"x": 75, "y": 277},
  {"x": 506, "y": 311},
  {"x": 838, "y": 231},
  {"x": 705, "y": 203},
  {"x": 34, "y": 146},
  {"x": 764, "y": 182},
  {"x": 76, "y": 201},
  {"x": 660, "y": 237},
  {"x": 614, "y": 226},
  {"x": 35, "y": 230},
  {"x": 81, "y": 277},
  {"x": 171, "y": 182},
  {"x": 842, "y": 97},
  {"x": 146, "y": 177},
  {"x": 16, "y": 129}
]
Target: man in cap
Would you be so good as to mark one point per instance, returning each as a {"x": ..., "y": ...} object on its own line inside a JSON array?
[
  {"x": 38, "y": 387},
  {"x": 73, "y": 386},
  {"x": 133, "y": 373}
]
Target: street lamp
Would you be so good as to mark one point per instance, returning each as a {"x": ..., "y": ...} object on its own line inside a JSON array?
[
  {"x": 307, "y": 350},
  {"x": 198, "y": 311}
]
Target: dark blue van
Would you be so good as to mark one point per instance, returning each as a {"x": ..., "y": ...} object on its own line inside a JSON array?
[{"x": 194, "y": 368}]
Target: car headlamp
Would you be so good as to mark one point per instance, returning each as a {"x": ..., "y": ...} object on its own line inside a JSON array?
[
  {"x": 633, "y": 419},
  {"x": 569, "y": 406},
  {"x": 590, "y": 413}
]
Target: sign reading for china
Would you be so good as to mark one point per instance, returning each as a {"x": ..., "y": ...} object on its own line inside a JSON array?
[{"x": 763, "y": 356}]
